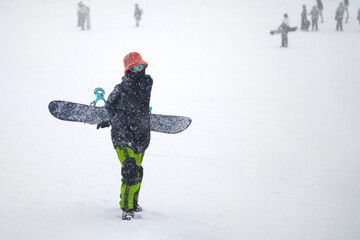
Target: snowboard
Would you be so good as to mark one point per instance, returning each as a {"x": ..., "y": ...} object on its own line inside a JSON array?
[
  {"x": 76, "y": 112},
  {"x": 279, "y": 30},
  {"x": 273, "y": 32}
]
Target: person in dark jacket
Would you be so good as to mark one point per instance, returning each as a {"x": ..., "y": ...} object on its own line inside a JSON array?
[
  {"x": 283, "y": 29},
  {"x": 305, "y": 23},
  {"x": 339, "y": 15},
  {"x": 128, "y": 106},
  {"x": 320, "y": 8}
]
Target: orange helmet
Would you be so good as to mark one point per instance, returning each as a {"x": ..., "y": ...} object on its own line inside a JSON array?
[{"x": 133, "y": 59}]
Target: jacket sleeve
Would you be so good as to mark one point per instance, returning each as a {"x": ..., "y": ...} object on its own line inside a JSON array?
[{"x": 113, "y": 98}]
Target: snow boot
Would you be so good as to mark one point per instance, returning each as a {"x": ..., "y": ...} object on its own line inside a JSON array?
[
  {"x": 127, "y": 215},
  {"x": 138, "y": 208}
]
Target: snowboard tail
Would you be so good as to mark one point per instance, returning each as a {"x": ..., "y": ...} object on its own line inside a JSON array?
[
  {"x": 76, "y": 112},
  {"x": 168, "y": 124}
]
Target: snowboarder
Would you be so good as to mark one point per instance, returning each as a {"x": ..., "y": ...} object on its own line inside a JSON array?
[
  {"x": 339, "y": 15},
  {"x": 284, "y": 28},
  {"x": 82, "y": 13},
  {"x": 305, "y": 23},
  {"x": 128, "y": 105},
  {"x": 346, "y": 6},
  {"x": 314, "y": 19},
  {"x": 78, "y": 14},
  {"x": 137, "y": 14},
  {"x": 320, "y": 8},
  {"x": 284, "y": 31}
]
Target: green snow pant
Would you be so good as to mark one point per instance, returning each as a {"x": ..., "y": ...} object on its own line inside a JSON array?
[{"x": 132, "y": 173}]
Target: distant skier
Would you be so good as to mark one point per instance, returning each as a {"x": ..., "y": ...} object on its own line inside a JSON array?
[
  {"x": 137, "y": 14},
  {"x": 82, "y": 14},
  {"x": 346, "y": 5},
  {"x": 320, "y": 8},
  {"x": 314, "y": 19},
  {"x": 128, "y": 105},
  {"x": 283, "y": 29},
  {"x": 339, "y": 15},
  {"x": 305, "y": 23},
  {"x": 80, "y": 4}
]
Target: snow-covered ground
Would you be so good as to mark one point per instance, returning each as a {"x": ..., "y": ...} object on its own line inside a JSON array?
[{"x": 273, "y": 151}]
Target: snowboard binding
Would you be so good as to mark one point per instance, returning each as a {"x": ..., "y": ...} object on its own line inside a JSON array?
[{"x": 100, "y": 95}]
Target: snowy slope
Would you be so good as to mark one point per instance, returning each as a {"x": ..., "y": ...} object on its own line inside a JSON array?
[{"x": 272, "y": 153}]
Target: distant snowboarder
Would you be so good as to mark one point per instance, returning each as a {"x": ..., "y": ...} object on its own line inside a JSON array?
[
  {"x": 137, "y": 14},
  {"x": 339, "y": 16},
  {"x": 80, "y": 4},
  {"x": 305, "y": 23},
  {"x": 314, "y": 19},
  {"x": 320, "y": 8},
  {"x": 82, "y": 14},
  {"x": 283, "y": 29}
]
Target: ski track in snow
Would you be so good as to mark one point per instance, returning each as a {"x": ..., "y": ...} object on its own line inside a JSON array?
[{"x": 272, "y": 151}]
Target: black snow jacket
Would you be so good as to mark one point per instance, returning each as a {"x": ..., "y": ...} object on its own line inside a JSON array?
[{"x": 128, "y": 105}]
